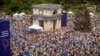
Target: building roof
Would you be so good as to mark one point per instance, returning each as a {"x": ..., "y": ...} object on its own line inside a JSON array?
[{"x": 47, "y": 6}]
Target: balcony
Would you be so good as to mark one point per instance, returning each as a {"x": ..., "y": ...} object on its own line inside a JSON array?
[{"x": 42, "y": 17}]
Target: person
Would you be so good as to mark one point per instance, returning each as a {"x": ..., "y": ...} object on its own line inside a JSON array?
[{"x": 62, "y": 42}]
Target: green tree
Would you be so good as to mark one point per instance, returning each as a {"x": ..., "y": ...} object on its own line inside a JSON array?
[
  {"x": 26, "y": 5},
  {"x": 16, "y": 5}
]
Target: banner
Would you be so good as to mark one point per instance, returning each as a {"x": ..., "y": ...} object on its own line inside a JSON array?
[
  {"x": 64, "y": 19},
  {"x": 4, "y": 38}
]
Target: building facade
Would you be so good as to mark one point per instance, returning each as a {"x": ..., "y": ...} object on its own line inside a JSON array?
[{"x": 47, "y": 16}]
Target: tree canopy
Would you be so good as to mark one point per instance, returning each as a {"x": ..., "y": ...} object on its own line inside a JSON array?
[{"x": 26, "y": 5}]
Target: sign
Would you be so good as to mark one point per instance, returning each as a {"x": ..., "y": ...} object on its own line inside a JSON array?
[{"x": 4, "y": 38}]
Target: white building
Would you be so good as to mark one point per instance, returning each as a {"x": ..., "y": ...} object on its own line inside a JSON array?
[{"x": 47, "y": 16}]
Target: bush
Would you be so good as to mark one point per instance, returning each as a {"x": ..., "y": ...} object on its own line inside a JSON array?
[
  {"x": 81, "y": 7},
  {"x": 74, "y": 8}
]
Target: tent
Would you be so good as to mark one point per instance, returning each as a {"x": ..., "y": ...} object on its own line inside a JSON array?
[
  {"x": 16, "y": 14},
  {"x": 22, "y": 14},
  {"x": 64, "y": 11},
  {"x": 35, "y": 27},
  {"x": 91, "y": 14},
  {"x": 70, "y": 15},
  {"x": 70, "y": 12}
]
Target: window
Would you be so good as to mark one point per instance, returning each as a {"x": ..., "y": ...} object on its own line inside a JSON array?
[{"x": 54, "y": 12}]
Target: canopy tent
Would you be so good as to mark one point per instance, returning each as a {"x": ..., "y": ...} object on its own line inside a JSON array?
[
  {"x": 70, "y": 12},
  {"x": 70, "y": 15},
  {"x": 22, "y": 14},
  {"x": 91, "y": 14},
  {"x": 16, "y": 14},
  {"x": 64, "y": 11},
  {"x": 36, "y": 27}
]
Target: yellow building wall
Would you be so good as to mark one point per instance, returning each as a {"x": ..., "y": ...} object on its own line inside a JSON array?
[
  {"x": 59, "y": 11},
  {"x": 36, "y": 22},
  {"x": 58, "y": 24},
  {"x": 47, "y": 13},
  {"x": 36, "y": 11},
  {"x": 48, "y": 25}
]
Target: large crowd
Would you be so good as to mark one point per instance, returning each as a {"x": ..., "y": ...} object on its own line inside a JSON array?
[{"x": 60, "y": 42}]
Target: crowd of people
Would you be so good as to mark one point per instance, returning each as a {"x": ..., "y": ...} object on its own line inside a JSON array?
[
  {"x": 95, "y": 20},
  {"x": 60, "y": 42}
]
